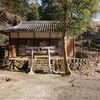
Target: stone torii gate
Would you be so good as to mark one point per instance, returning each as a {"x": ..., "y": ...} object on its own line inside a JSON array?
[{"x": 33, "y": 50}]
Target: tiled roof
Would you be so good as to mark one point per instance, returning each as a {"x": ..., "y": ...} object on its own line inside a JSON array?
[{"x": 36, "y": 26}]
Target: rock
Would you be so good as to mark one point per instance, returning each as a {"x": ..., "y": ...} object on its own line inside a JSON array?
[
  {"x": 7, "y": 79},
  {"x": 73, "y": 85},
  {"x": 98, "y": 71}
]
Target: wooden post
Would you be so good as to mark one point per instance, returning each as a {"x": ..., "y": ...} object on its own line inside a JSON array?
[
  {"x": 74, "y": 49},
  {"x": 49, "y": 64},
  {"x": 31, "y": 67},
  {"x": 9, "y": 45}
]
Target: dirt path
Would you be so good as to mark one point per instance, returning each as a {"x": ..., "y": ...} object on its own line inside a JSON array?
[{"x": 22, "y": 86}]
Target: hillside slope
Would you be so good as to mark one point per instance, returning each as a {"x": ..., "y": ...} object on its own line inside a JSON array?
[{"x": 90, "y": 39}]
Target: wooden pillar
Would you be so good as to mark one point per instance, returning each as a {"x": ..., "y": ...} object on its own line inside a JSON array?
[
  {"x": 17, "y": 44},
  {"x": 70, "y": 47},
  {"x": 13, "y": 50},
  {"x": 9, "y": 46},
  {"x": 34, "y": 39},
  {"x": 49, "y": 38},
  {"x": 74, "y": 49}
]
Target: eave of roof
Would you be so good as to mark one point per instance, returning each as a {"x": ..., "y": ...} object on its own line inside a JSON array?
[{"x": 35, "y": 26}]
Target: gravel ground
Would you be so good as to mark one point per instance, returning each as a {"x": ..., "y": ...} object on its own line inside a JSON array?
[{"x": 22, "y": 86}]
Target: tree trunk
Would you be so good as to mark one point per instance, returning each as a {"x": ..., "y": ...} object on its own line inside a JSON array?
[{"x": 66, "y": 66}]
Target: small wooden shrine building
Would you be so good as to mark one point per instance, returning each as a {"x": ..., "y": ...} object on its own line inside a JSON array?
[{"x": 36, "y": 34}]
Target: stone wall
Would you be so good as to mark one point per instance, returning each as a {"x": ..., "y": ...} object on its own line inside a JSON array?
[{"x": 77, "y": 64}]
